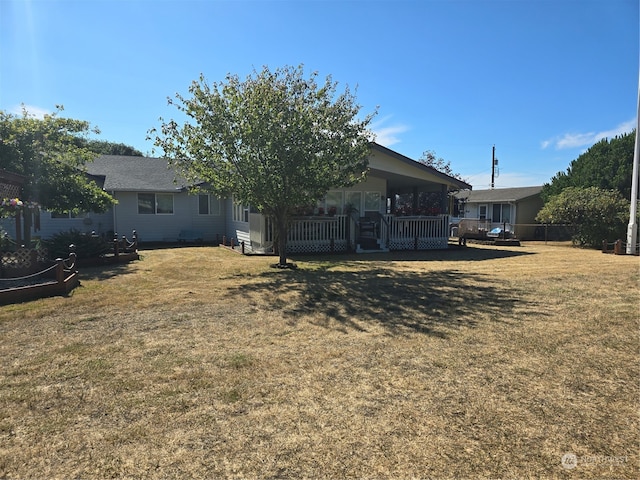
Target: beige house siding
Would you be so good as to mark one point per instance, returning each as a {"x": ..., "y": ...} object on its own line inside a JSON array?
[{"x": 526, "y": 211}]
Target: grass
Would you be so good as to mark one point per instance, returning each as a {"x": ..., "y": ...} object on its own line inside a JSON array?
[{"x": 200, "y": 363}]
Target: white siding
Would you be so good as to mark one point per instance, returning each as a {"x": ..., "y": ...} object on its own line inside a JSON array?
[
  {"x": 101, "y": 223},
  {"x": 124, "y": 218},
  {"x": 165, "y": 228}
]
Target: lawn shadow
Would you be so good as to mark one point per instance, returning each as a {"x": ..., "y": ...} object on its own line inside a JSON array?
[
  {"x": 433, "y": 302},
  {"x": 104, "y": 272},
  {"x": 451, "y": 254}
]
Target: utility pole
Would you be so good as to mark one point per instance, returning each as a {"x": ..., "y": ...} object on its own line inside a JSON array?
[
  {"x": 493, "y": 167},
  {"x": 632, "y": 228}
]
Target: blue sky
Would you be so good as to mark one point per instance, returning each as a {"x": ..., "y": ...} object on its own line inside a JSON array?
[{"x": 542, "y": 80}]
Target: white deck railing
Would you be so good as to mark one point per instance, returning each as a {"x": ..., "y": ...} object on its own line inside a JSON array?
[
  {"x": 329, "y": 234},
  {"x": 318, "y": 235},
  {"x": 416, "y": 233}
]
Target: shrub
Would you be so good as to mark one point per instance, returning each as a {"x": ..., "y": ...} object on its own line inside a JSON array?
[
  {"x": 594, "y": 213},
  {"x": 87, "y": 245}
]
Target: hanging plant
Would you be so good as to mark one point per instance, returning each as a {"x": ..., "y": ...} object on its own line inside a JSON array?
[
  {"x": 26, "y": 215},
  {"x": 10, "y": 207}
]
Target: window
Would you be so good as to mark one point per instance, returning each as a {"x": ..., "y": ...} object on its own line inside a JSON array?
[
  {"x": 67, "y": 215},
  {"x": 146, "y": 203},
  {"x": 501, "y": 212},
  {"x": 331, "y": 204},
  {"x": 203, "y": 204},
  {"x": 353, "y": 199},
  {"x": 164, "y": 204},
  {"x": 372, "y": 201},
  {"x": 208, "y": 205},
  {"x": 482, "y": 212},
  {"x": 155, "y": 203},
  {"x": 240, "y": 212}
]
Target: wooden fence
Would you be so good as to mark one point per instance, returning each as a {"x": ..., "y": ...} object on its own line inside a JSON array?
[{"x": 58, "y": 279}]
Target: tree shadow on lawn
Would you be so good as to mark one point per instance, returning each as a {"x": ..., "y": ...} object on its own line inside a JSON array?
[
  {"x": 434, "y": 302},
  {"x": 452, "y": 254},
  {"x": 104, "y": 272}
]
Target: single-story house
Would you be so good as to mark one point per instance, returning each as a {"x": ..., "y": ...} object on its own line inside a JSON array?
[
  {"x": 402, "y": 204},
  {"x": 515, "y": 208}
]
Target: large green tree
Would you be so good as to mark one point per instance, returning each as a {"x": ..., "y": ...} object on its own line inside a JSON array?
[
  {"x": 277, "y": 140},
  {"x": 47, "y": 153},
  {"x": 595, "y": 214},
  {"x": 608, "y": 165}
]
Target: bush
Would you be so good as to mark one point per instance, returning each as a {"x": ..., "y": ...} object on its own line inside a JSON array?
[
  {"x": 87, "y": 245},
  {"x": 595, "y": 214}
]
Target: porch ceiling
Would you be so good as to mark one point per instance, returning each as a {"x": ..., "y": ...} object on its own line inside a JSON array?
[{"x": 396, "y": 181}]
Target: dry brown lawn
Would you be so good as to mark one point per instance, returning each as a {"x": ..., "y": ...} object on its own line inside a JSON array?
[{"x": 486, "y": 362}]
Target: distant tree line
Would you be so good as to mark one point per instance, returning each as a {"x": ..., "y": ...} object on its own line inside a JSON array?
[
  {"x": 607, "y": 165},
  {"x": 104, "y": 147},
  {"x": 594, "y": 193}
]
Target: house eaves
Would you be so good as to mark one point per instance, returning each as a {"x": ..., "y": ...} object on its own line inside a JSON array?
[
  {"x": 452, "y": 182},
  {"x": 501, "y": 195}
]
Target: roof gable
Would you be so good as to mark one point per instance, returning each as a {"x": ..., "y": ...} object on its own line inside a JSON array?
[{"x": 409, "y": 167}]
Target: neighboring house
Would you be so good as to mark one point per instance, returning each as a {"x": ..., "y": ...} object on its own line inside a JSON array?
[
  {"x": 151, "y": 200},
  {"x": 402, "y": 204},
  {"x": 514, "y": 207}
]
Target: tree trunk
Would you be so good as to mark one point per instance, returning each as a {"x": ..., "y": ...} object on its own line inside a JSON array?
[{"x": 281, "y": 226}]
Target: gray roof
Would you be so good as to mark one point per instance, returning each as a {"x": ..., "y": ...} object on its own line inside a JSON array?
[
  {"x": 135, "y": 174},
  {"x": 140, "y": 174},
  {"x": 499, "y": 194}
]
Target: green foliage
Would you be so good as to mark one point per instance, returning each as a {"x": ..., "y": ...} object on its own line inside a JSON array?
[
  {"x": 594, "y": 213},
  {"x": 104, "y": 147},
  {"x": 87, "y": 246},
  {"x": 607, "y": 165},
  {"x": 46, "y": 152},
  {"x": 429, "y": 159},
  {"x": 275, "y": 141}
]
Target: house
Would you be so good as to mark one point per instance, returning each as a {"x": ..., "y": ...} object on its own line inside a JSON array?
[
  {"x": 513, "y": 208},
  {"x": 151, "y": 200},
  {"x": 402, "y": 204}
]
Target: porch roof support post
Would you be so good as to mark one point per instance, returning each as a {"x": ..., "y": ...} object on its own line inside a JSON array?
[{"x": 444, "y": 199}]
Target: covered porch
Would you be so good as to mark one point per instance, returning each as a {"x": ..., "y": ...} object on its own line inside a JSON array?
[
  {"x": 402, "y": 205},
  {"x": 343, "y": 233}
]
